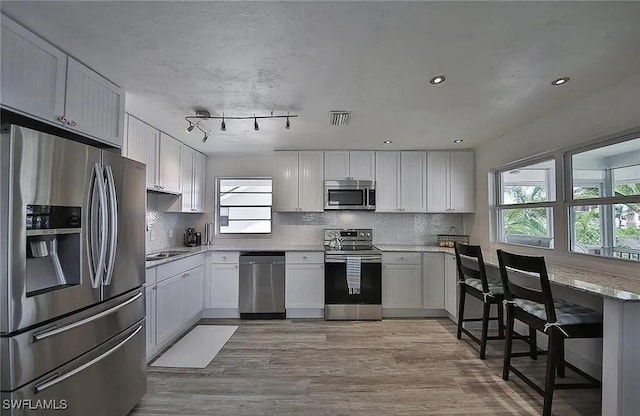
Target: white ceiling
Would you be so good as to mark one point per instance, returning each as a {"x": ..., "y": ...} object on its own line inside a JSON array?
[{"x": 373, "y": 58}]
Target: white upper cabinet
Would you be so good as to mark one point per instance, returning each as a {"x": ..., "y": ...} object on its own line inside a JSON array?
[
  {"x": 387, "y": 181},
  {"x": 188, "y": 155},
  {"x": 400, "y": 181},
  {"x": 41, "y": 81},
  {"x": 199, "y": 180},
  {"x": 169, "y": 167},
  {"x": 450, "y": 181},
  {"x": 298, "y": 182},
  {"x": 93, "y": 105},
  {"x": 142, "y": 144},
  {"x": 354, "y": 165},
  {"x": 33, "y": 73}
]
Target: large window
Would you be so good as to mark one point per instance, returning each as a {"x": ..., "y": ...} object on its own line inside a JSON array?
[
  {"x": 524, "y": 207},
  {"x": 604, "y": 201},
  {"x": 244, "y": 205}
]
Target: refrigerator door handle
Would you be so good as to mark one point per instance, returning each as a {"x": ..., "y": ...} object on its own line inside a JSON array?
[
  {"x": 96, "y": 267},
  {"x": 55, "y": 331},
  {"x": 113, "y": 224},
  {"x": 43, "y": 386}
]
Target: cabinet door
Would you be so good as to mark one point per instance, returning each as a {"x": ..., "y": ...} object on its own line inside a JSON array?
[
  {"x": 412, "y": 181},
  {"x": 387, "y": 181},
  {"x": 285, "y": 182},
  {"x": 402, "y": 286},
  {"x": 142, "y": 145},
  {"x": 199, "y": 180},
  {"x": 186, "y": 178},
  {"x": 168, "y": 308},
  {"x": 438, "y": 181},
  {"x": 169, "y": 166},
  {"x": 336, "y": 165},
  {"x": 191, "y": 292},
  {"x": 462, "y": 183},
  {"x": 310, "y": 181},
  {"x": 450, "y": 285},
  {"x": 304, "y": 285},
  {"x": 362, "y": 165},
  {"x": 224, "y": 287},
  {"x": 150, "y": 294},
  {"x": 33, "y": 73},
  {"x": 433, "y": 280},
  {"x": 93, "y": 105}
]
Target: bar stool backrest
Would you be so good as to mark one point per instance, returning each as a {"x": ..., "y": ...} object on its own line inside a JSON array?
[
  {"x": 533, "y": 267},
  {"x": 475, "y": 253}
]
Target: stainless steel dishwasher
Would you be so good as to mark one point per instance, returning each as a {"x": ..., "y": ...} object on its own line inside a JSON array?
[{"x": 262, "y": 285}]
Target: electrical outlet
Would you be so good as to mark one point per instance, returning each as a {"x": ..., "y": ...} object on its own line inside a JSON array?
[{"x": 170, "y": 232}]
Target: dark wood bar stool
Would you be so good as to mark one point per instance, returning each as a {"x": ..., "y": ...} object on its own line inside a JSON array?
[
  {"x": 558, "y": 318},
  {"x": 473, "y": 280}
]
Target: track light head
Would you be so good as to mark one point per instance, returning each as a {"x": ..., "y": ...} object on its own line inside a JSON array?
[
  {"x": 255, "y": 124},
  {"x": 190, "y": 128},
  {"x": 205, "y": 138},
  {"x": 223, "y": 125}
]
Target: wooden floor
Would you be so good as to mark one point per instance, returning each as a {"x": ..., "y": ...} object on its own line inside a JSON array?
[{"x": 392, "y": 367}]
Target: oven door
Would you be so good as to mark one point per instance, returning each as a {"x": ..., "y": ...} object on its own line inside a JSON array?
[{"x": 336, "y": 291}]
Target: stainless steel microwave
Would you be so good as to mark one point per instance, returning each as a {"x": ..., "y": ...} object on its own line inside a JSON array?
[{"x": 350, "y": 195}]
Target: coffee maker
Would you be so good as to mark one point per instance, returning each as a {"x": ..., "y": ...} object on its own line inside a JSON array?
[{"x": 192, "y": 238}]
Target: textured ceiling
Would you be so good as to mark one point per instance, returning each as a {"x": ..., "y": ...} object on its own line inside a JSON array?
[{"x": 373, "y": 58}]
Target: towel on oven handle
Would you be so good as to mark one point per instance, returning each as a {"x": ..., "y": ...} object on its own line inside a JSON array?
[{"x": 353, "y": 274}]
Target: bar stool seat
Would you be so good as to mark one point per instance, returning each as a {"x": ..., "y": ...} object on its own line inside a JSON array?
[
  {"x": 494, "y": 286},
  {"x": 567, "y": 313}
]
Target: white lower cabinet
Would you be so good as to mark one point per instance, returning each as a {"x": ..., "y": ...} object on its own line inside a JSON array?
[
  {"x": 174, "y": 302},
  {"x": 304, "y": 285},
  {"x": 401, "y": 283},
  {"x": 433, "y": 280},
  {"x": 450, "y": 285},
  {"x": 223, "y": 286}
]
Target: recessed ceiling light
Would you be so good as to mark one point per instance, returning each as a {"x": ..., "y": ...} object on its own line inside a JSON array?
[
  {"x": 388, "y": 142},
  {"x": 560, "y": 81},
  {"x": 439, "y": 79},
  {"x": 458, "y": 141}
]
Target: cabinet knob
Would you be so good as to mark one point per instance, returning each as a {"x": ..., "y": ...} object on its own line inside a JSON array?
[
  {"x": 236, "y": 266},
  {"x": 72, "y": 123},
  {"x": 224, "y": 258},
  {"x": 304, "y": 257},
  {"x": 62, "y": 118}
]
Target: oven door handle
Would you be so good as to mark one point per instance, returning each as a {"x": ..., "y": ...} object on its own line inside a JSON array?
[{"x": 340, "y": 258}]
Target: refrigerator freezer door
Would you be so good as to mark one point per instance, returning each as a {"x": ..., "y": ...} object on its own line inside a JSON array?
[
  {"x": 106, "y": 381},
  {"x": 46, "y": 172},
  {"x": 126, "y": 190}
]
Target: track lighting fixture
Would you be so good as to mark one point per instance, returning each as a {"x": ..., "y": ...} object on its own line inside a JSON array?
[{"x": 196, "y": 121}]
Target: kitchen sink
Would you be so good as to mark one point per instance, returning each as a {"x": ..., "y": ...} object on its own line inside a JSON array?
[{"x": 164, "y": 255}]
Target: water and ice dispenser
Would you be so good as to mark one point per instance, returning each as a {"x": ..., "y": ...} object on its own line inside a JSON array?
[{"x": 53, "y": 250}]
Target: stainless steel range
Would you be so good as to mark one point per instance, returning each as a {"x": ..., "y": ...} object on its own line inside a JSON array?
[{"x": 353, "y": 275}]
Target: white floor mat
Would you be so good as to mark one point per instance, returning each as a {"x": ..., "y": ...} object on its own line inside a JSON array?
[{"x": 197, "y": 348}]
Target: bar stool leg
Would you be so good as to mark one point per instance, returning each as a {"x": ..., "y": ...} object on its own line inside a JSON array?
[
  {"x": 461, "y": 309},
  {"x": 500, "y": 319},
  {"x": 549, "y": 380},
  {"x": 507, "y": 343},
  {"x": 486, "y": 310},
  {"x": 533, "y": 344},
  {"x": 560, "y": 364}
]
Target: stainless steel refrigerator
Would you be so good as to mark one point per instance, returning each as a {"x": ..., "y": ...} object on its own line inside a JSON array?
[{"x": 72, "y": 318}]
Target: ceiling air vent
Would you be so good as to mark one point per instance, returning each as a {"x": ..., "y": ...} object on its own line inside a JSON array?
[{"x": 339, "y": 118}]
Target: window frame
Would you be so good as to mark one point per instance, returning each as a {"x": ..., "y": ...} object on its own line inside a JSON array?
[
  {"x": 218, "y": 206},
  {"x": 499, "y": 206}
]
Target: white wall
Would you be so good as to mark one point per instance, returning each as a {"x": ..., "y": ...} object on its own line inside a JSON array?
[{"x": 609, "y": 111}]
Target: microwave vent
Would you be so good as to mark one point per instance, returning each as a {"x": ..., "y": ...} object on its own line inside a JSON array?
[{"x": 339, "y": 118}]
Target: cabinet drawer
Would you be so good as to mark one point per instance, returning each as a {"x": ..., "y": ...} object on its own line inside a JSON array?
[
  {"x": 151, "y": 276},
  {"x": 232, "y": 257},
  {"x": 179, "y": 266},
  {"x": 304, "y": 257},
  {"x": 401, "y": 258}
]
